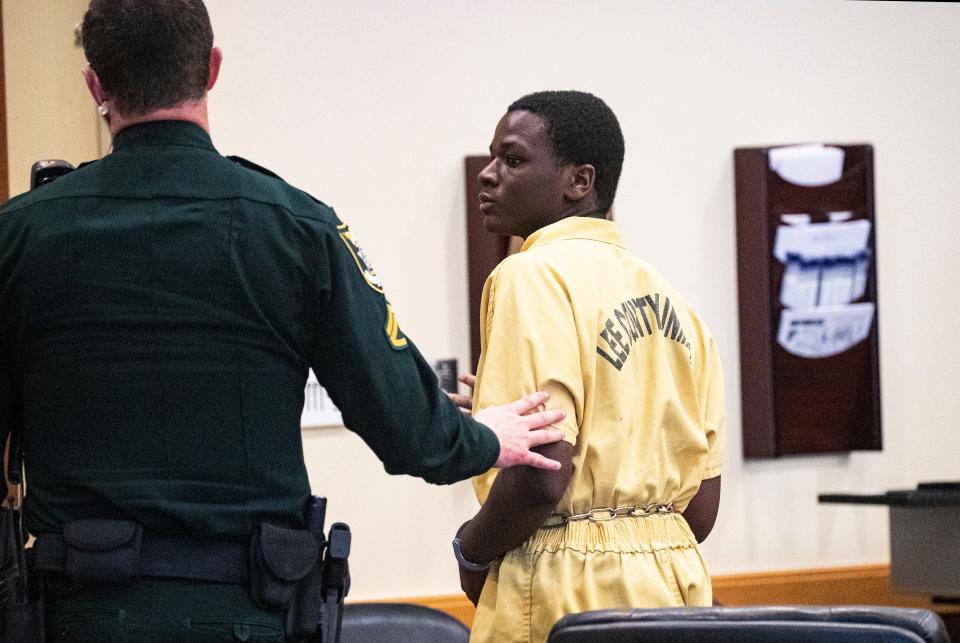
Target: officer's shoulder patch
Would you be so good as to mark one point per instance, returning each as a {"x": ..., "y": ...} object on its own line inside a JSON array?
[
  {"x": 398, "y": 341},
  {"x": 360, "y": 257}
]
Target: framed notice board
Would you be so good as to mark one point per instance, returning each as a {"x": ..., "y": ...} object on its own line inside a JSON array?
[{"x": 806, "y": 263}]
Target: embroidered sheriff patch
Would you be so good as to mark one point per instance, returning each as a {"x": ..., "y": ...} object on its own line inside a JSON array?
[
  {"x": 369, "y": 275},
  {"x": 391, "y": 329}
]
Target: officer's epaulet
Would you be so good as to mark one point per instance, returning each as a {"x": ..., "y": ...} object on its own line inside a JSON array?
[{"x": 250, "y": 165}]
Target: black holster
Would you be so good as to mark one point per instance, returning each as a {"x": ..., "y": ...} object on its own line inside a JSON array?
[
  {"x": 9, "y": 567},
  {"x": 23, "y": 616},
  {"x": 315, "y": 612}
]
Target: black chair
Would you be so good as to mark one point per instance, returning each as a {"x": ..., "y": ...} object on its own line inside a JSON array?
[
  {"x": 392, "y": 622},
  {"x": 852, "y": 624}
]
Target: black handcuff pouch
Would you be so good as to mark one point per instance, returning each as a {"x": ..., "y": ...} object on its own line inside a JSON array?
[
  {"x": 102, "y": 551},
  {"x": 279, "y": 559}
]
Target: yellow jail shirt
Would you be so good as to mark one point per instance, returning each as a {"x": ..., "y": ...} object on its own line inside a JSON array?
[{"x": 638, "y": 374}]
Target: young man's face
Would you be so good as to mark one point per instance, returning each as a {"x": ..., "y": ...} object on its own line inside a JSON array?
[{"x": 522, "y": 188}]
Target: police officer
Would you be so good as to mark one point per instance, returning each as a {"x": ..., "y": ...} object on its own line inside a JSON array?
[{"x": 159, "y": 310}]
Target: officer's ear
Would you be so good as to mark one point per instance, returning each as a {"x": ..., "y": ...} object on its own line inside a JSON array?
[
  {"x": 216, "y": 58},
  {"x": 93, "y": 85}
]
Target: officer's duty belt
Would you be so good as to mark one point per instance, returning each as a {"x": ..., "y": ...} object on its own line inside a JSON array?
[{"x": 161, "y": 556}]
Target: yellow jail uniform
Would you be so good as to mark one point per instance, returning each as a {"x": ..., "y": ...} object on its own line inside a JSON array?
[{"x": 638, "y": 374}]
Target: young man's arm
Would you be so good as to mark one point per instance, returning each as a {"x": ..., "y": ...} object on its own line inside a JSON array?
[
  {"x": 530, "y": 342},
  {"x": 520, "y": 501},
  {"x": 701, "y": 513}
]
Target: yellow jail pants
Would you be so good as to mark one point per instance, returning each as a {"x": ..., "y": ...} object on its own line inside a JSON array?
[{"x": 649, "y": 561}]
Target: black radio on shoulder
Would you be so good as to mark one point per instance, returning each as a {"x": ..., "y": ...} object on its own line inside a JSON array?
[{"x": 45, "y": 171}]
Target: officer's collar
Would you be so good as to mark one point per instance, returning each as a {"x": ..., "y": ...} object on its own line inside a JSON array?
[{"x": 176, "y": 133}]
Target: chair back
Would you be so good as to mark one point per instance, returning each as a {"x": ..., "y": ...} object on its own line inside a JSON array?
[
  {"x": 775, "y": 624},
  {"x": 391, "y": 622}
]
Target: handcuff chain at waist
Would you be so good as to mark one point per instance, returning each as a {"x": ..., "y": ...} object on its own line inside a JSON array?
[{"x": 602, "y": 514}]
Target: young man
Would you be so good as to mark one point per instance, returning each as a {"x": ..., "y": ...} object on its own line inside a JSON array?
[{"x": 636, "y": 370}]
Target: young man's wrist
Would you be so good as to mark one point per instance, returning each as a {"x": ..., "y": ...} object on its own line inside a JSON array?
[
  {"x": 469, "y": 560},
  {"x": 467, "y": 564}
]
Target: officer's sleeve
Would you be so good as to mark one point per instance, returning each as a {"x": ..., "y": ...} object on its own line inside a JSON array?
[
  {"x": 385, "y": 390},
  {"x": 9, "y": 410}
]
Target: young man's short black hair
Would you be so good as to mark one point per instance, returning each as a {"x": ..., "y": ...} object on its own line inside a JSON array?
[
  {"x": 148, "y": 54},
  {"x": 583, "y": 129}
]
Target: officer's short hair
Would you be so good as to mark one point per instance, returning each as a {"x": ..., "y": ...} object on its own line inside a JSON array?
[
  {"x": 148, "y": 54},
  {"x": 583, "y": 129}
]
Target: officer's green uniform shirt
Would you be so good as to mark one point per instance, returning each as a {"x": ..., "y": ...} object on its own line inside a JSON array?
[{"x": 159, "y": 310}]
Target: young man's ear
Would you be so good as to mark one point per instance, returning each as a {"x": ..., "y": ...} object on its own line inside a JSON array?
[{"x": 581, "y": 181}]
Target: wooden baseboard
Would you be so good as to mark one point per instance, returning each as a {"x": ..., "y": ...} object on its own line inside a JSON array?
[{"x": 859, "y": 585}]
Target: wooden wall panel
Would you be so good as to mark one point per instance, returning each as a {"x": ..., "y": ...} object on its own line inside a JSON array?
[
  {"x": 484, "y": 251},
  {"x": 794, "y": 405}
]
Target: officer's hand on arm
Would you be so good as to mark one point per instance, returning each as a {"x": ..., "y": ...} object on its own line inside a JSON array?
[{"x": 518, "y": 431}]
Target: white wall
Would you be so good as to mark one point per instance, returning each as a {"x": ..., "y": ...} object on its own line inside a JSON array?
[
  {"x": 49, "y": 112},
  {"x": 372, "y": 106}
]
